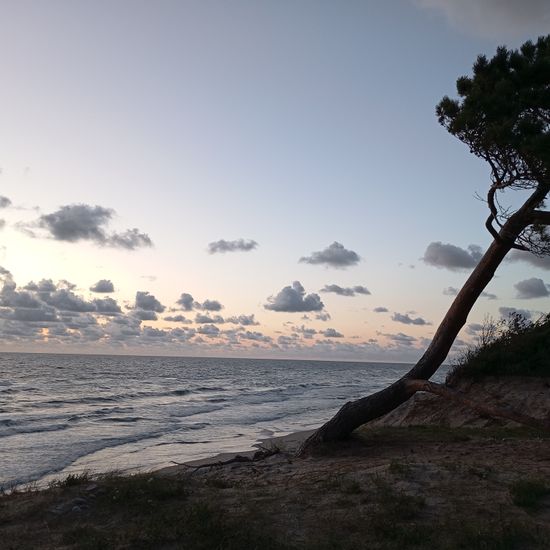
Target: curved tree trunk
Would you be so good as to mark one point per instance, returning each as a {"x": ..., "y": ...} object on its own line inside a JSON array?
[{"x": 356, "y": 413}]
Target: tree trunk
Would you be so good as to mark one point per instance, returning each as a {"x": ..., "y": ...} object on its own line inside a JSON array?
[{"x": 356, "y": 413}]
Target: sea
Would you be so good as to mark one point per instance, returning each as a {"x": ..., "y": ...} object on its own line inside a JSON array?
[{"x": 62, "y": 414}]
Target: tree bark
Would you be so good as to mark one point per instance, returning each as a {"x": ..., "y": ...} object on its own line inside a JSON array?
[{"x": 356, "y": 413}]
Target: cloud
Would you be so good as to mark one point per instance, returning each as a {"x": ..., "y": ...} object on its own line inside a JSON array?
[
  {"x": 449, "y": 256},
  {"x": 401, "y": 339},
  {"x": 380, "y": 309},
  {"x": 65, "y": 300},
  {"x": 407, "y": 320},
  {"x": 345, "y": 291},
  {"x": 323, "y": 316},
  {"x": 82, "y": 222},
  {"x": 4, "y": 202},
  {"x": 335, "y": 255},
  {"x": 255, "y": 336},
  {"x": 178, "y": 319},
  {"x": 209, "y": 305},
  {"x": 542, "y": 262},
  {"x": 240, "y": 245},
  {"x": 106, "y": 306},
  {"x": 209, "y": 330},
  {"x": 332, "y": 333},
  {"x": 244, "y": 320},
  {"x": 494, "y": 18},
  {"x": 293, "y": 299},
  {"x": 144, "y": 315},
  {"x": 186, "y": 301},
  {"x": 505, "y": 312},
  {"x": 148, "y": 302},
  {"x": 452, "y": 291},
  {"x": 307, "y": 333},
  {"x": 531, "y": 288},
  {"x": 201, "y": 318},
  {"x": 103, "y": 286}
]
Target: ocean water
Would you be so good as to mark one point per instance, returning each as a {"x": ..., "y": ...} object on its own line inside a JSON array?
[{"x": 71, "y": 413}]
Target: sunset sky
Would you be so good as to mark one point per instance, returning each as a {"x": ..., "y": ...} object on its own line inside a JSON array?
[{"x": 245, "y": 177}]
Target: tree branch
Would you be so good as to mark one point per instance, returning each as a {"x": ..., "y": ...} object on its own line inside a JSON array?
[{"x": 540, "y": 217}]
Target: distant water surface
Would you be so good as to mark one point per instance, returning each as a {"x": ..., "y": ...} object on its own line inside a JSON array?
[{"x": 71, "y": 413}]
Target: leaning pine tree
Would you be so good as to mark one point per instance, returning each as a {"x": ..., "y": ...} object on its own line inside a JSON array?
[{"x": 503, "y": 116}]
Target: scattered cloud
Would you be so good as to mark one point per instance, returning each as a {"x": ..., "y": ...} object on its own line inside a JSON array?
[
  {"x": 531, "y": 288},
  {"x": 4, "y": 202},
  {"x": 186, "y": 301},
  {"x": 493, "y": 18},
  {"x": 148, "y": 302},
  {"x": 209, "y": 305},
  {"x": 345, "y": 291},
  {"x": 452, "y": 291},
  {"x": 82, "y": 222},
  {"x": 201, "y": 318},
  {"x": 240, "y": 245},
  {"x": 408, "y": 320},
  {"x": 335, "y": 255},
  {"x": 380, "y": 309},
  {"x": 505, "y": 312},
  {"x": 323, "y": 316},
  {"x": 293, "y": 299},
  {"x": 449, "y": 256},
  {"x": 332, "y": 333},
  {"x": 107, "y": 306},
  {"x": 243, "y": 320},
  {"x": 542, "y": 262},
  {"x": 306, "y": 332},
  {"x": 103, "y": 286},
  {"x": 400, "y": 339},
  {"x": 177, "y": 319}
]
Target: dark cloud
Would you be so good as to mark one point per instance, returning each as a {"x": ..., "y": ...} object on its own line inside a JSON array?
[
  {"x": 449, "y": 256},
  {"x": 148, "y": 302},
  {"x": 144, "y": 315},
  {"x": 244, "y": 320},
  {"x": 186, "y": 301},
  {"x": 201, "y": 318},
  {"x": 129, "y": 239},
  {"x": 323, "y": 316},
  {"x": 82, "y": 222},
  {"x": 531, "y": 288},
  {"x": 103, "y": 286},
  {"x": 408, "y": 320},
  {"x": 494, "y": 18},
  {"x": 380, "y": 309},
  {"x": 66, "y": 300},
  {"x": 306, "y": 332},
  {"x": 505, "y": 312},
  {"x": 107, "y": 306},
  {"x": 345, "y": 291},
  {"x": 542, "y": 262},
  {"x": 293, "y": 299},
  {"x": 178, "y": 319},
  {"x": 255, "y": 336},
  {"x": 209, "y": 330},
  {"x": 209, "y": 305},
  {"x": 4, "y": 202},
  {"x": 452, "y": 291},
  {"x": 335, "y": 255},
  {"x": 401, "y": 339},
  {"x": 332, "y": 333},
  {"x": 240, "y": 245}
]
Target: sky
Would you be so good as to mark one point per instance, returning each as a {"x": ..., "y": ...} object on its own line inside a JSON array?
[{"x": 245, "y": 178}]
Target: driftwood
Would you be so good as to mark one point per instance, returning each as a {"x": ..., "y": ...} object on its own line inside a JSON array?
[
  {"x": 261, "y": 454},
  {"x": 482, "y": 408}
]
